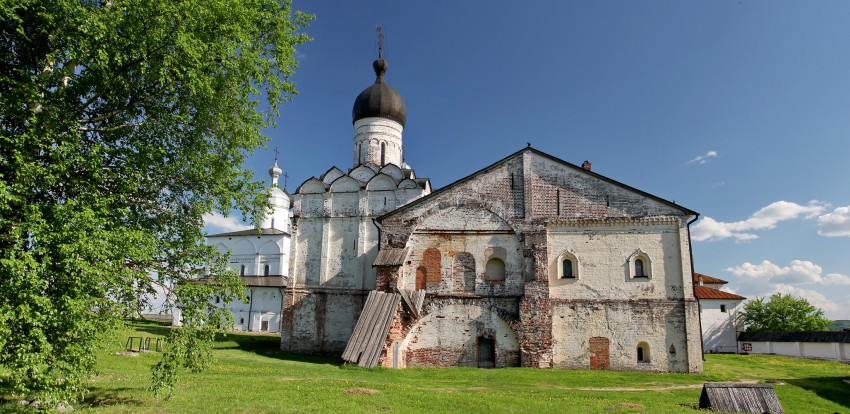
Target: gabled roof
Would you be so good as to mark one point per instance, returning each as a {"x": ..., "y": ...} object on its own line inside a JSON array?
[
  {"x": 497, "y": 164},
  {"x": 251, "y": 232},
  {"x": 705, "y": 292},
  {"x": 709, "y": 279}
]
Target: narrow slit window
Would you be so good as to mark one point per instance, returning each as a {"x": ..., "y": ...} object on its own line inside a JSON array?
[
  {"x": 568, "y": 269},
  {"x": 383, "y": 153},
  {"x": 266, "y": 270},
  {"x": 242, "y": 271},
  {"x": 639, "y": 268}
]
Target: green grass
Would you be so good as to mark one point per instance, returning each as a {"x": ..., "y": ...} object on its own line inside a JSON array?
[{"x": 251, "y": 375}]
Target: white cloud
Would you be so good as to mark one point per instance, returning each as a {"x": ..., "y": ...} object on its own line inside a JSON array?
[
  {"x": 797, "y": 272},
  {"x": 764, "y": 219},
  {"x": 702, "y": 159},
  {"x": 814, "y": 297},
  {"x": 836, "y": 223},
  {"x": 225, "y": 224},
  {"x": 800, "y": 278}
]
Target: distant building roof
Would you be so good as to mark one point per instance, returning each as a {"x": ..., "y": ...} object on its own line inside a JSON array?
[
  {"x": 255, "y": 281},
  {"x": 708, "y": 279},
  {"x": 820, "y": 336},
  {"x": 251, "y": 232},
  {"x": 705, "y": 292}
]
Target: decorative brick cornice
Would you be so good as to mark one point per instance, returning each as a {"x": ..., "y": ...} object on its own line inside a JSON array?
[{"x": 613, "y": 221}]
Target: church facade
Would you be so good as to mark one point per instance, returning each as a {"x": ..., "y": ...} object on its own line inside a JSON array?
[
  {"x": 262, "y": 259},
  {"x": 532, "y": 261}
]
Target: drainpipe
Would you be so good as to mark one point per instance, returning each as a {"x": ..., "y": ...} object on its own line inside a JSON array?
[
  {"x": 280, "y": 318},
  {"x": 699, "y": 316},
  {"x": 250, "y": 306}
]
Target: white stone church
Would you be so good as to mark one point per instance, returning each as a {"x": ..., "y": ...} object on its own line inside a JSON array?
[{"x": 532, "y": 261}]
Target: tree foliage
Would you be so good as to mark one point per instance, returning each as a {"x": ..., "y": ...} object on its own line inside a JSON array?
[
  {"x": 782, "y": 313},
  {"x": 122, "y": 122}
]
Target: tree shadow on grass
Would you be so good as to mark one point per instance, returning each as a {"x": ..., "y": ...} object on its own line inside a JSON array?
[
  {"x": 259, "y": 344},
  {"x": 107, "y": 398},
  {"x": 830, "y": 388}
]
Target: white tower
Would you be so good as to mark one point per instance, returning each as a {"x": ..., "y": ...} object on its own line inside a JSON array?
[{"x": 280, "y": 217}]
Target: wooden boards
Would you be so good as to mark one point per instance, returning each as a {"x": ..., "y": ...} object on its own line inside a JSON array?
[{"x": 370, "y": 333}]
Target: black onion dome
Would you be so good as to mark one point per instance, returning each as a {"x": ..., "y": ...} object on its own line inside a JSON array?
[{"x": 380, "y": 99}]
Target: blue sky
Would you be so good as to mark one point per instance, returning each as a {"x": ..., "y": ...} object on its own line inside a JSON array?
[{"x": 739, "y": 110}]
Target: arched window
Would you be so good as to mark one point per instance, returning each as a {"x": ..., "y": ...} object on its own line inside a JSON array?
[
  {"x": 242, "y": 271},
  {"x": 463, "y": 273},
  {"x": 568, "y": 268},
  {"x": 383, "y": 153},
  {"x": 643, "y": 352},
  {"x": 639, "y": 268},
  {"x": 266, "y": 270},
  {"x": 431, "y": 260},
  {"x": 421, "y": 274},
  {"x": 495, "y": 270}
]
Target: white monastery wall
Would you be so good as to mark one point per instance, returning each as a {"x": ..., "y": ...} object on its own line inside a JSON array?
[{"x": 719, "y": 331}]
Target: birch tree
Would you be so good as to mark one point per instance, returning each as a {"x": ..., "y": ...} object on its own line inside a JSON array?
[{"x": 122, "y": 122}]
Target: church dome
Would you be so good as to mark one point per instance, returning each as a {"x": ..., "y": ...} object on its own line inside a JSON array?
[{"x": 379, "y": 100}]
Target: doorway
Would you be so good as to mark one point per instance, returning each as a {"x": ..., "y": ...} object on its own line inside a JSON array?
[{"x": 486, "y": 352}]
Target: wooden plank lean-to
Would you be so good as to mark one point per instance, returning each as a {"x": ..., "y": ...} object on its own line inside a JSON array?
[
  {"x": 352, "y": 349},
  {"x": 370, "y": 322},
  {"x": 378, "y": 338}
]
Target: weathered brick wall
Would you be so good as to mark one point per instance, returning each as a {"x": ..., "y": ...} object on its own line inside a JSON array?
[
  {"x": 319, "y": 322},
  {"x": 449, "y": 330},
  {"x": 625, "y": 323}
]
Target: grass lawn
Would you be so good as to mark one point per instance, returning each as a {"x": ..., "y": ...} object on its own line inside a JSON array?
[{"x": 251, "y": 375}]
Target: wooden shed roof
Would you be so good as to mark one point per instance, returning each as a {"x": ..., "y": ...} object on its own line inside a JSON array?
[
  {"x": 733, "y": 397},
  {"x": 390, "y": 257}
]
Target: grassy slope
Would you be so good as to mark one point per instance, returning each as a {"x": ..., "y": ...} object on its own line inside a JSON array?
[{"x": 249, "y": 374}]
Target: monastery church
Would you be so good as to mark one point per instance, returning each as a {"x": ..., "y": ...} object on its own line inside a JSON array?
[{"x": 531, "y": 261}]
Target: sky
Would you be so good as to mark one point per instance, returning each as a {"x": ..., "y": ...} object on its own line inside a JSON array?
[{"x": 739, "y": 110}]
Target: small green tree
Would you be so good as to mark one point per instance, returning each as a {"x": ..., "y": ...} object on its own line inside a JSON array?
[
  {"x": 782, "y": 313},
  {"x": 122, "y": 122}
]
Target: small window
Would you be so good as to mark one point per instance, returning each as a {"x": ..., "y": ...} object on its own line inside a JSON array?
[
  {"x": 247, "y": 299},
  {"x": 723, "y": 308},
  {"x": 639, "y": 268},
  {"x": 495, "y": 270},
  {"x": 242, "y": 271},
  {"x": 241, "y": 320},
  {"x": 567, "y": 269},
  {"x": 672, "y": 350},
  {"x": 639, "y": 265},
  {"x": 266, "y": 270},
  {"x": 383, "y": 153},
  {"x": 643, "y": 352},
  {"x": 217, "y": 299}
]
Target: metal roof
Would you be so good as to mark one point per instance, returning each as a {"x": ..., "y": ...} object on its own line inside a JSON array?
[
  {"x": 390, "y": 257},
  {"x": 709, "y": 279},
  {"x": 251, "y": 232},
  {"x": 705, "y": 292},
  {"x": 379, "y": 100}
]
